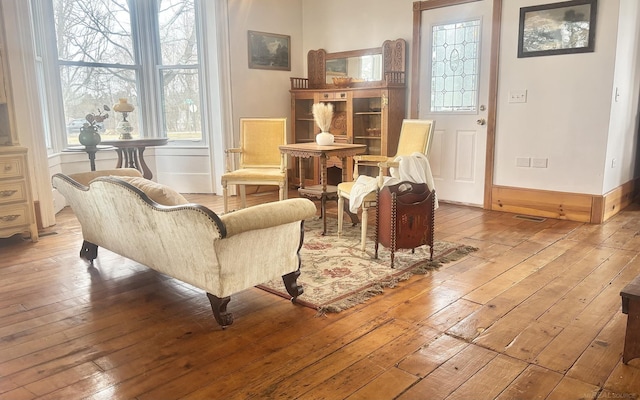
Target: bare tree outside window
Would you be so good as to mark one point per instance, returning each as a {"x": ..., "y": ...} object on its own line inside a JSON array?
[{"x": 104, "y": 55}]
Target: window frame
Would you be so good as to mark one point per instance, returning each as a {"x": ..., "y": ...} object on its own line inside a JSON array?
[{"x": 147, "y": 68}]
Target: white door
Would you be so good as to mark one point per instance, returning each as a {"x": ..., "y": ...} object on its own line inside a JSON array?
[{"x": 455, "y": 49}]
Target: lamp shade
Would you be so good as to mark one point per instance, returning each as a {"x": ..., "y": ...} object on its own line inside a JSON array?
[{"x": 123, "y": 106}]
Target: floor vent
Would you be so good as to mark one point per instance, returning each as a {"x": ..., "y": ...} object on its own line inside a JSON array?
[{"x": 530, "y": 218}]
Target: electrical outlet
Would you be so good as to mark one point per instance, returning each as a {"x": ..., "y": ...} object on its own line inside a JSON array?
[
  {"x": 523, "y": 162},
  {"x": 518, "y": 96},
  {"x": 539, "y": 162}
]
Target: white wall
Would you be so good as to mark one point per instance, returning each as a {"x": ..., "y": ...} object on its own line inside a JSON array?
[
  {"x": 621, "y": 160},
  {"x": 566, "y": 116},
  {"x": 260, "y": 92}
]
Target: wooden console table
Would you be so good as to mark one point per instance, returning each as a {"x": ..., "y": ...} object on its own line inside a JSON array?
[
  {"x": 322, "y": 191},
  {"x": 131, "y": 153}
]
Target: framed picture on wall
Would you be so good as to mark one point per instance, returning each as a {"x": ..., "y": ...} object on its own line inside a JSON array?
[
  {"x": 269, "y": 51},
  {"x": 557, "y": 28}
]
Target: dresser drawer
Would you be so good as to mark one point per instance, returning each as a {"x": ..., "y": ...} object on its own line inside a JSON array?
[
  {"x": 13, "y": 191},
  {"x": 11, "y": 167},
  {"x": 333, "y": 96},
  {"x": 15, "y": 215}
]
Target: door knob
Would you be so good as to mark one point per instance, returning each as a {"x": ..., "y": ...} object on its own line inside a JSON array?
[{"x": 481, "y": 121}]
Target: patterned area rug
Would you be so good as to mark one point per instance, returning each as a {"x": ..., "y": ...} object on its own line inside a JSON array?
[{"x": 336, "y": 274}]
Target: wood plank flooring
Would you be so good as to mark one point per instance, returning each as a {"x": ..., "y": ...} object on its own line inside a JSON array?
[{"x": 534, "y": 314}]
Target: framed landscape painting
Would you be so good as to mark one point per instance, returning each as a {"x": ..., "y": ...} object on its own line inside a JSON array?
[
  {"x": 557, "y": 28},
  {"x": 269, "y": 51}
]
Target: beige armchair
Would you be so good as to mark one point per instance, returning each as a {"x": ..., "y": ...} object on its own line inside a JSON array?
[
  {"x": 260, "y": 160},
  {"x": 415, "y": 136}
]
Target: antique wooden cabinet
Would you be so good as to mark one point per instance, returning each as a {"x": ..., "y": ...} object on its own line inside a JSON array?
[
  {"x": 368, "y": 111},
  {"x": 17, "y": 214}
]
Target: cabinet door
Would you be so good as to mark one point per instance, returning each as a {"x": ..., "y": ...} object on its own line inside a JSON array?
[
  {"x": 302, "y": 124},
  {"x": 368, "y": 124}
]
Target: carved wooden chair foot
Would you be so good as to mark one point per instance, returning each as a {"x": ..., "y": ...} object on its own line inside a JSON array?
[
  {"x": 291, "y": 284},
  {"x": 219, "y": 307},
  {"x": 89, "y": 251}
]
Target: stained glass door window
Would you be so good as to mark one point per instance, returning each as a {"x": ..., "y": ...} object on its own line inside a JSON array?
[{"x": 454, "y": 66}]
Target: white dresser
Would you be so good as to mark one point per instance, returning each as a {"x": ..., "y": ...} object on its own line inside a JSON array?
[{"x": 17, "y": 215}]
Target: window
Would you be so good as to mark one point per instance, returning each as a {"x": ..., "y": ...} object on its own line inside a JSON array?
[
  {"x": 146, "y": 51},
  {"x": 454, "y": 74}
]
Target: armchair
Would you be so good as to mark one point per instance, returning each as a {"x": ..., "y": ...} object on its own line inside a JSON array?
[
  {"x": 415, "y": 136},
  {"x": 260, "y": 160}
]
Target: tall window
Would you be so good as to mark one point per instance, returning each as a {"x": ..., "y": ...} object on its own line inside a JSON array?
[{"x": 146, "y": 51}]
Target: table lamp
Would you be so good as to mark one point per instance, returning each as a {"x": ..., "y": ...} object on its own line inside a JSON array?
[{"x": 124, "y": 128}]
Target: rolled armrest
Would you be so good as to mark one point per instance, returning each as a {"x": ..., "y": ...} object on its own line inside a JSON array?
[
  {"x": 389, "y": 164},
  {"x": 268, "y": 215}
]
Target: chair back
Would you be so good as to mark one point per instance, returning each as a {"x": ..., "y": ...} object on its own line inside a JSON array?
[
  {"x": 259, "y": 141},
  {"x": 415, "y": 136}
]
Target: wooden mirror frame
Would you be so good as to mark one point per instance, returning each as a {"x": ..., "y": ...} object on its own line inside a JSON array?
[{"x": 393, "y": 64}]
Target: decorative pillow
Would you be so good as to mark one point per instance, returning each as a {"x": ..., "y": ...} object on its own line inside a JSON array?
[
  {"x": 157, "y": 192},
  {"x": 84, "y": 178}
]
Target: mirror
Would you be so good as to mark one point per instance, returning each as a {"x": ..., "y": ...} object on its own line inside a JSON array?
[
  {"x": 364, "y": 68},
  {"x": 378, "y": 66}
]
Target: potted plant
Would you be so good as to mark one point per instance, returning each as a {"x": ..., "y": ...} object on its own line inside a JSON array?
[
  {"x": 89, "y": 135},
  {"x": 323, "y": 115}
]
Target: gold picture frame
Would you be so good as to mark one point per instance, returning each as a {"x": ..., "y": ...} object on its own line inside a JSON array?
[{"x": 269, "y": 51}]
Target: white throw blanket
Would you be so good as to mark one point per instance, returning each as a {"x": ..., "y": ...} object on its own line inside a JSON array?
[{"x": 414, "y": 168}]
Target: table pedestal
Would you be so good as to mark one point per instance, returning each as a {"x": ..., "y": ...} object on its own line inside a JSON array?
[
  {"x": 131, "y": 153},
  {"x": 91, "y": 152}
]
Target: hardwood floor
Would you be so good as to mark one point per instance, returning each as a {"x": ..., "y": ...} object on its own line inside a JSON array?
[{"x": 535, "y": 313}]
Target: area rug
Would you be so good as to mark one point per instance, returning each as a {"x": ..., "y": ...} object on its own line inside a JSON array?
[{"x": 336, "y": 274}]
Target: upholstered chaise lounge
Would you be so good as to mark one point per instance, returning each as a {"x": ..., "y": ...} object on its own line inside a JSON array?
[{"x": 221, "y": 255}]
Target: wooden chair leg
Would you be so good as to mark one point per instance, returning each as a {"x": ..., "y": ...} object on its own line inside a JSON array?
[
  {"x": 243, "y": 196},
  {"x": 340, "y": 214},
  {"x": 225, "y": 198}
]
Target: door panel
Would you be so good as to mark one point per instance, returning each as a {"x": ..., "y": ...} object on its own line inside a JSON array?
[{"x": 456, "y": 99}]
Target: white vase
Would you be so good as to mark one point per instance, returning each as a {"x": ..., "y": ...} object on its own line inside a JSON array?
[{"x": 324, "y": 138}]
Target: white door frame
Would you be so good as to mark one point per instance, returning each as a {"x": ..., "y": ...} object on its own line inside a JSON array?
[{"x": 418, "y": 8}]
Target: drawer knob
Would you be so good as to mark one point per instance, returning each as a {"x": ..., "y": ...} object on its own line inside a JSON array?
[
  {"x": 7, "y": 193},
  {"x": 9, "y": 218},
  {"x": 7, "y": 168}
]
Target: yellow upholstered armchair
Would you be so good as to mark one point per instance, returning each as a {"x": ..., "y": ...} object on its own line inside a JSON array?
[
  {"x": 415, "y": 136},
  {"x": 260, "y": 160}
]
